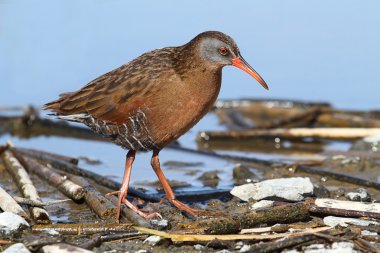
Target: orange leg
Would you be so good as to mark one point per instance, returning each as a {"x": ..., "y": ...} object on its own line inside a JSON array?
[
  {"x": 169, "y": 194},
  {"x": 122, "y": 193}
]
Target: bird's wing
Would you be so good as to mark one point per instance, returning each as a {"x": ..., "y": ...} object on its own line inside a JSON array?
[{"x": 112, "y": 97}]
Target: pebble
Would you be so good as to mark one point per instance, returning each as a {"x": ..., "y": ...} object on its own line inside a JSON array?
[
  {"x": 333, "y": 221},
  {"x": 160, "y": 223},
  {"x": 293, "y": 189},
  {"x": 223, "y": 251},
  {"x": 360, "y": 194},
  {"x": 11, "y": 224},
  {"x": 17, "y": 248},
  {"x": 245, "y": 248},
  {"x": 153, "y": 240}
]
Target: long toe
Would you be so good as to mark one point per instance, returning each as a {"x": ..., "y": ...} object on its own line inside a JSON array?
[
  {"x": 140, "y": 212},
  {"x": 183, "y": 207}
]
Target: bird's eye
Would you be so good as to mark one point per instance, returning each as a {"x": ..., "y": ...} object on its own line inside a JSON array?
[{"x": 223, "y": 51}]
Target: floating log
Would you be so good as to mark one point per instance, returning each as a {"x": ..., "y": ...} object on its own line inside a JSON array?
[
  {"x": 8, "y": 204},
  {"x": 25, "y": 185},
  {"x": 64, "y": 185},
  {"x": 39, "y": 154},
  {"x": 292, "y": 133}
]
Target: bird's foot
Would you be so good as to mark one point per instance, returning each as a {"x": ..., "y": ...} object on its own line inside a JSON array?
[
  {"x": 122, "y": 199},
  {"x": 180, "y": 206}
]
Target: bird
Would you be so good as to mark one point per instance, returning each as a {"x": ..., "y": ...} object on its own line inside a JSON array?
[{"x": 151, "y": 101}]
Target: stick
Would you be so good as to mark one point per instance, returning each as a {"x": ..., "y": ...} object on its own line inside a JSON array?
[
  {"x": 64, "y": 185},
  {"x": 322, "y": 133},
  {"x": 98, "y": 240},
  {"x": 8, "y": 204},
  {"x": 25, "y": 186},
  {"x": 37, "y": 203},
  {"x": 83, "y": 229}
]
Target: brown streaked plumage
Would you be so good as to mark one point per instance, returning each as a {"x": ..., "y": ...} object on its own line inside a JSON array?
[{"x": 152, "y": 100}]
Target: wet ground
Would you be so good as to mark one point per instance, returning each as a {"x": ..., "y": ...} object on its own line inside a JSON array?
[{"x": 212, "y": 164}]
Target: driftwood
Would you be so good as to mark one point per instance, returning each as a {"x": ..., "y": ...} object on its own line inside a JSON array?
[
  {"x": 75, "y": 170},
  {"x": 292, "y": 133},
  {"x": 82, "y": 229},
  {"x": 8, "y": 204},
  {"x": 30, "y": 202},
  {"x": 42, "y": 155},
  {"x": 64, "y": 185},
  {"x": 225, "y": 225},
  {"x": 345, "y": 208},
  {"x": 94, "y": 199},
  {"x": 25, "y": 185}
]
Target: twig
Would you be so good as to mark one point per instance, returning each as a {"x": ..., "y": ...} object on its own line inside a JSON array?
[
  {"x": 38, "y": 203},
  {"x": 25, "y": 186},
  {"x": 195, "y": 237},
  {"x": 98, "y": 240},
  {"x": 322, "y": 133},
  {"x": 64, "y": 185},
  {"x": 8, "y": 204},
  {"x": 82, "y": 229}
]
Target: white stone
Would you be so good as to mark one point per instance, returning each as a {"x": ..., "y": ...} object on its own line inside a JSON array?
[
  {"x": 63, "y": 248},
  {"x": 223, "y": 251},
  {"x": 333, "y": 221},
  {"x": 245, "y": 248},
  {"x": 17, "y": 248},
  {"x": 359, "y": 195},
  {"x": 11, "y": 223},
  {"x": 366, "y": 232},
  {"x": 152, "y": 240},
  {"x": 261, "y": 204},
  {"x": 199, "y": 247},
  {"x": 293, "y": 189},
  {"x": 336, "y": 247}
]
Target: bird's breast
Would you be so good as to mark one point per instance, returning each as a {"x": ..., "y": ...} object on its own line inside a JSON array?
[{"x": 180, "y": 105}]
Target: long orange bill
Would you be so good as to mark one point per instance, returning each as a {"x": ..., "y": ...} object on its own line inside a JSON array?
[{"x": 240, "y": 63}]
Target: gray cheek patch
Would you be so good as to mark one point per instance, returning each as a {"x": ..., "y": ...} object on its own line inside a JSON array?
[{"x": 209, "y": 50}]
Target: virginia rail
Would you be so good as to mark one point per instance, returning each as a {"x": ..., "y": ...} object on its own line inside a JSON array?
[{"x": 154, "y": 99}]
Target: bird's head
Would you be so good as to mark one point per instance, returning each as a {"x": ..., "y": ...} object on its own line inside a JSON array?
[{"x": 219, "y": 49}]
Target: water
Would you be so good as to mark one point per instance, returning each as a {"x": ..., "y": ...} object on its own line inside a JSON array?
[{"x": 314, "y": 50}]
